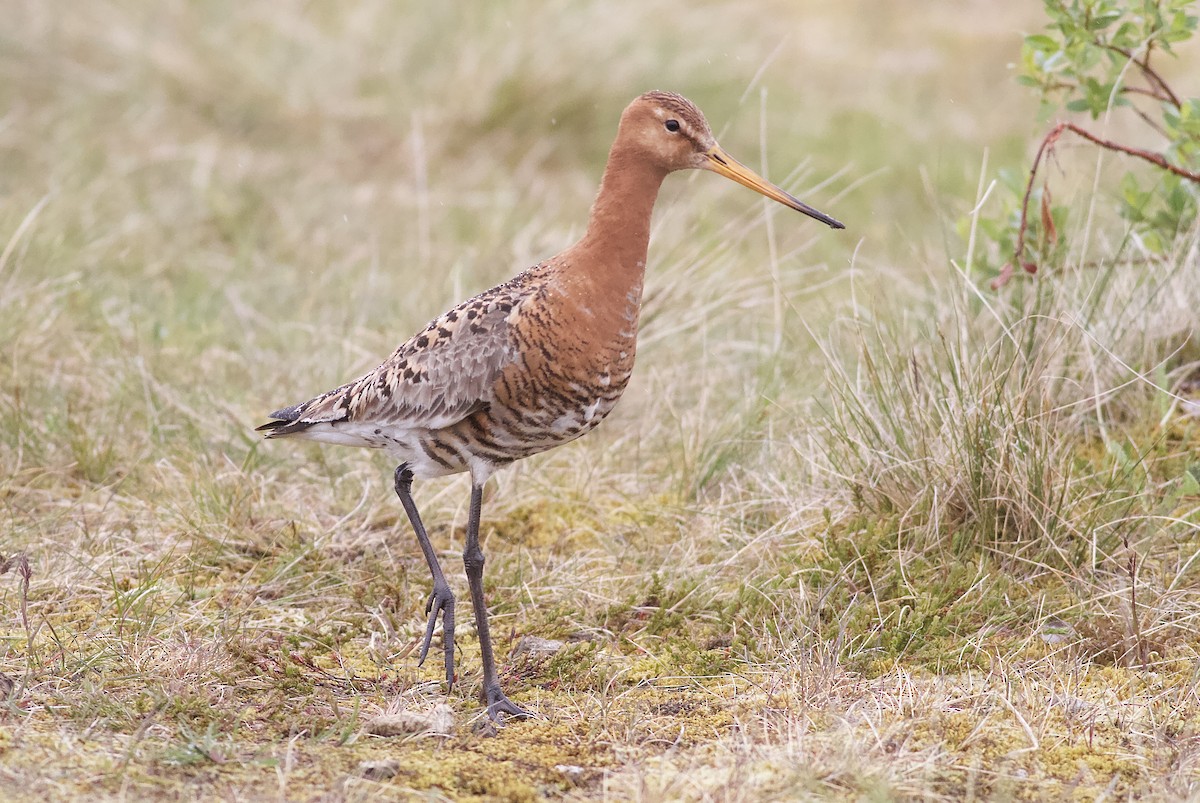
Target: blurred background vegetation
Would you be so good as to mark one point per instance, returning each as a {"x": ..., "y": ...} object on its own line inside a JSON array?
[{"x": 859, "y": 527}]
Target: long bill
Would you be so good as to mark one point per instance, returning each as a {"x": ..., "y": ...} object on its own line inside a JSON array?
[{"x": 721, "y": 162}]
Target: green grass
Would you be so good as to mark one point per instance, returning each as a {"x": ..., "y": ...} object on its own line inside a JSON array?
[{"x": 857, "y": 530}]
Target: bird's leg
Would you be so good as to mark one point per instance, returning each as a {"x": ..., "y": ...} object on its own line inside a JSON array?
[
  {"x": 441, "y": 600},
  {"x": 497, "y": 703}
]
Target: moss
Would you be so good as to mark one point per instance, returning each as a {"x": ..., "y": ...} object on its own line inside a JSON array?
[
  {"x": 549, "y": 524},
  {"x": 211, "y": 616}
]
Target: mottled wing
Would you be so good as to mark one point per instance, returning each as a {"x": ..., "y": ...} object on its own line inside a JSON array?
[{"x": 438, "y": 377}]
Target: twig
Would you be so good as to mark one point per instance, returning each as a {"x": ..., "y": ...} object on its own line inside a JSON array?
[
  {"x": 1133, "y": 611},
  {"x": 1007, "y": 271},
  {"x": 1158, "y": 160},
  {"x": 1150, "y": 121},
  {"x": 21, "y": 563},
  {"x": 1150, "y": 93},
  {"x": 1152, "y": 76}
]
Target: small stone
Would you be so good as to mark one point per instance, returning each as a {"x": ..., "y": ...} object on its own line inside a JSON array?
[
  {"x": 582, "y": 635},
  {"x": 437, "y": 722},
  {"x": 573, "y": 773},
  {"x": 1056, "y": 631},
  {"x": 1072, "y": 706},
  {"x": 379, "y": 770},
  {"x": 536, "y": 647},
  {"x": 483, "y": 726},
  {"x": 442, "y": 718}
]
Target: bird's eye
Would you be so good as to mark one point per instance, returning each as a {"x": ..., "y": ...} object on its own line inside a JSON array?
[{"x": 672, "y": 125}]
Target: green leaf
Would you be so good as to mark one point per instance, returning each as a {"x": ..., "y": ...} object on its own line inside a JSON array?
[
  {"x": 1152, "y": 241},
  {"x": 1102, "y": 21},
  {"x": 1042, "y": 43},
  {"x": 1189, "y": 484},
  {"x": 1125, "y": 36},
  {"x": 1119, "y": 454},
  {"x": 1054, "y": 62}
]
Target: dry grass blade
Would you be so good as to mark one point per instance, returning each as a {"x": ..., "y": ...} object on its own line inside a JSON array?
[{"x": 856, "y": 531}]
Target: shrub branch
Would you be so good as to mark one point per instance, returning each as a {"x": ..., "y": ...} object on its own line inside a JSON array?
[
  {"x": 1047, "y": 147},
  {"x": 1143, "y": 64}
]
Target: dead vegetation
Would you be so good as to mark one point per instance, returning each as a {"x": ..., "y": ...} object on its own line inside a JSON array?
[{"x": 857, "y": 531}]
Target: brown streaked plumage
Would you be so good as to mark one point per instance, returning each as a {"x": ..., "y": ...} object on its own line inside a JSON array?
[{"x": 528, "y": 365}]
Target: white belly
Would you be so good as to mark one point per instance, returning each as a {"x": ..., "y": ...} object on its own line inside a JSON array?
[{"x": 403, "y": 444}]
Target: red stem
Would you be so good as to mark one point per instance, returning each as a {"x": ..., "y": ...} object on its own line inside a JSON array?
[
  {"x": 1155, "y": 159},
  {"x": 1152, "y": 76}
]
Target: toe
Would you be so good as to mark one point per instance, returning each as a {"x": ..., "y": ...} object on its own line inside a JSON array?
[{"x": 498, "y": 704}]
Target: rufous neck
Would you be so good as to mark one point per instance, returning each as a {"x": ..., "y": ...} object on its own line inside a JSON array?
[{"x": 618, "y": 232}]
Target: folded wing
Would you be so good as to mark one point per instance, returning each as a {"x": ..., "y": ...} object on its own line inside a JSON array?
[{"x": 438, "y": 377}]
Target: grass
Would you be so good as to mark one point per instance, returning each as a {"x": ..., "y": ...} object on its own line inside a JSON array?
[{"x": 858, "y": 529}]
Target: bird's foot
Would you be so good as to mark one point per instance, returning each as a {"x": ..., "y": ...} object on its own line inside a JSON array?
[
  {"x": 498, "y": 704},
  {"x": 441, "y": 600}
]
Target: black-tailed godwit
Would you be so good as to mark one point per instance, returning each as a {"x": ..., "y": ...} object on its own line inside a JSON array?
[{"x": 528, "y": 365}]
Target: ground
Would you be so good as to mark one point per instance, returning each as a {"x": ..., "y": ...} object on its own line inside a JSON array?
[{"x": 861, "y": 528}]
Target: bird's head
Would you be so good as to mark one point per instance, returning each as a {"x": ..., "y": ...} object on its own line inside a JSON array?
[{"x": 670, "y": 131}]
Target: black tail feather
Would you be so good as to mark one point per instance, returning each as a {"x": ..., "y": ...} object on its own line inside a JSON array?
[{"x": 286, "y": 422}]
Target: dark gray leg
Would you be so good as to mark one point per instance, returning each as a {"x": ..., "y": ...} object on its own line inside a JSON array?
[
  {"x": 497, "y": 703},
  {"x": 441, "y": 600}
]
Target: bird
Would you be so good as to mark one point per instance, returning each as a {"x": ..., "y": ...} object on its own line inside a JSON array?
[{"x": 528, "y": 365}]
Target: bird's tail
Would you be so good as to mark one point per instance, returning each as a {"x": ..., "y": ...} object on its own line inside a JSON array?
[{"x": 286, "y": 422}]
